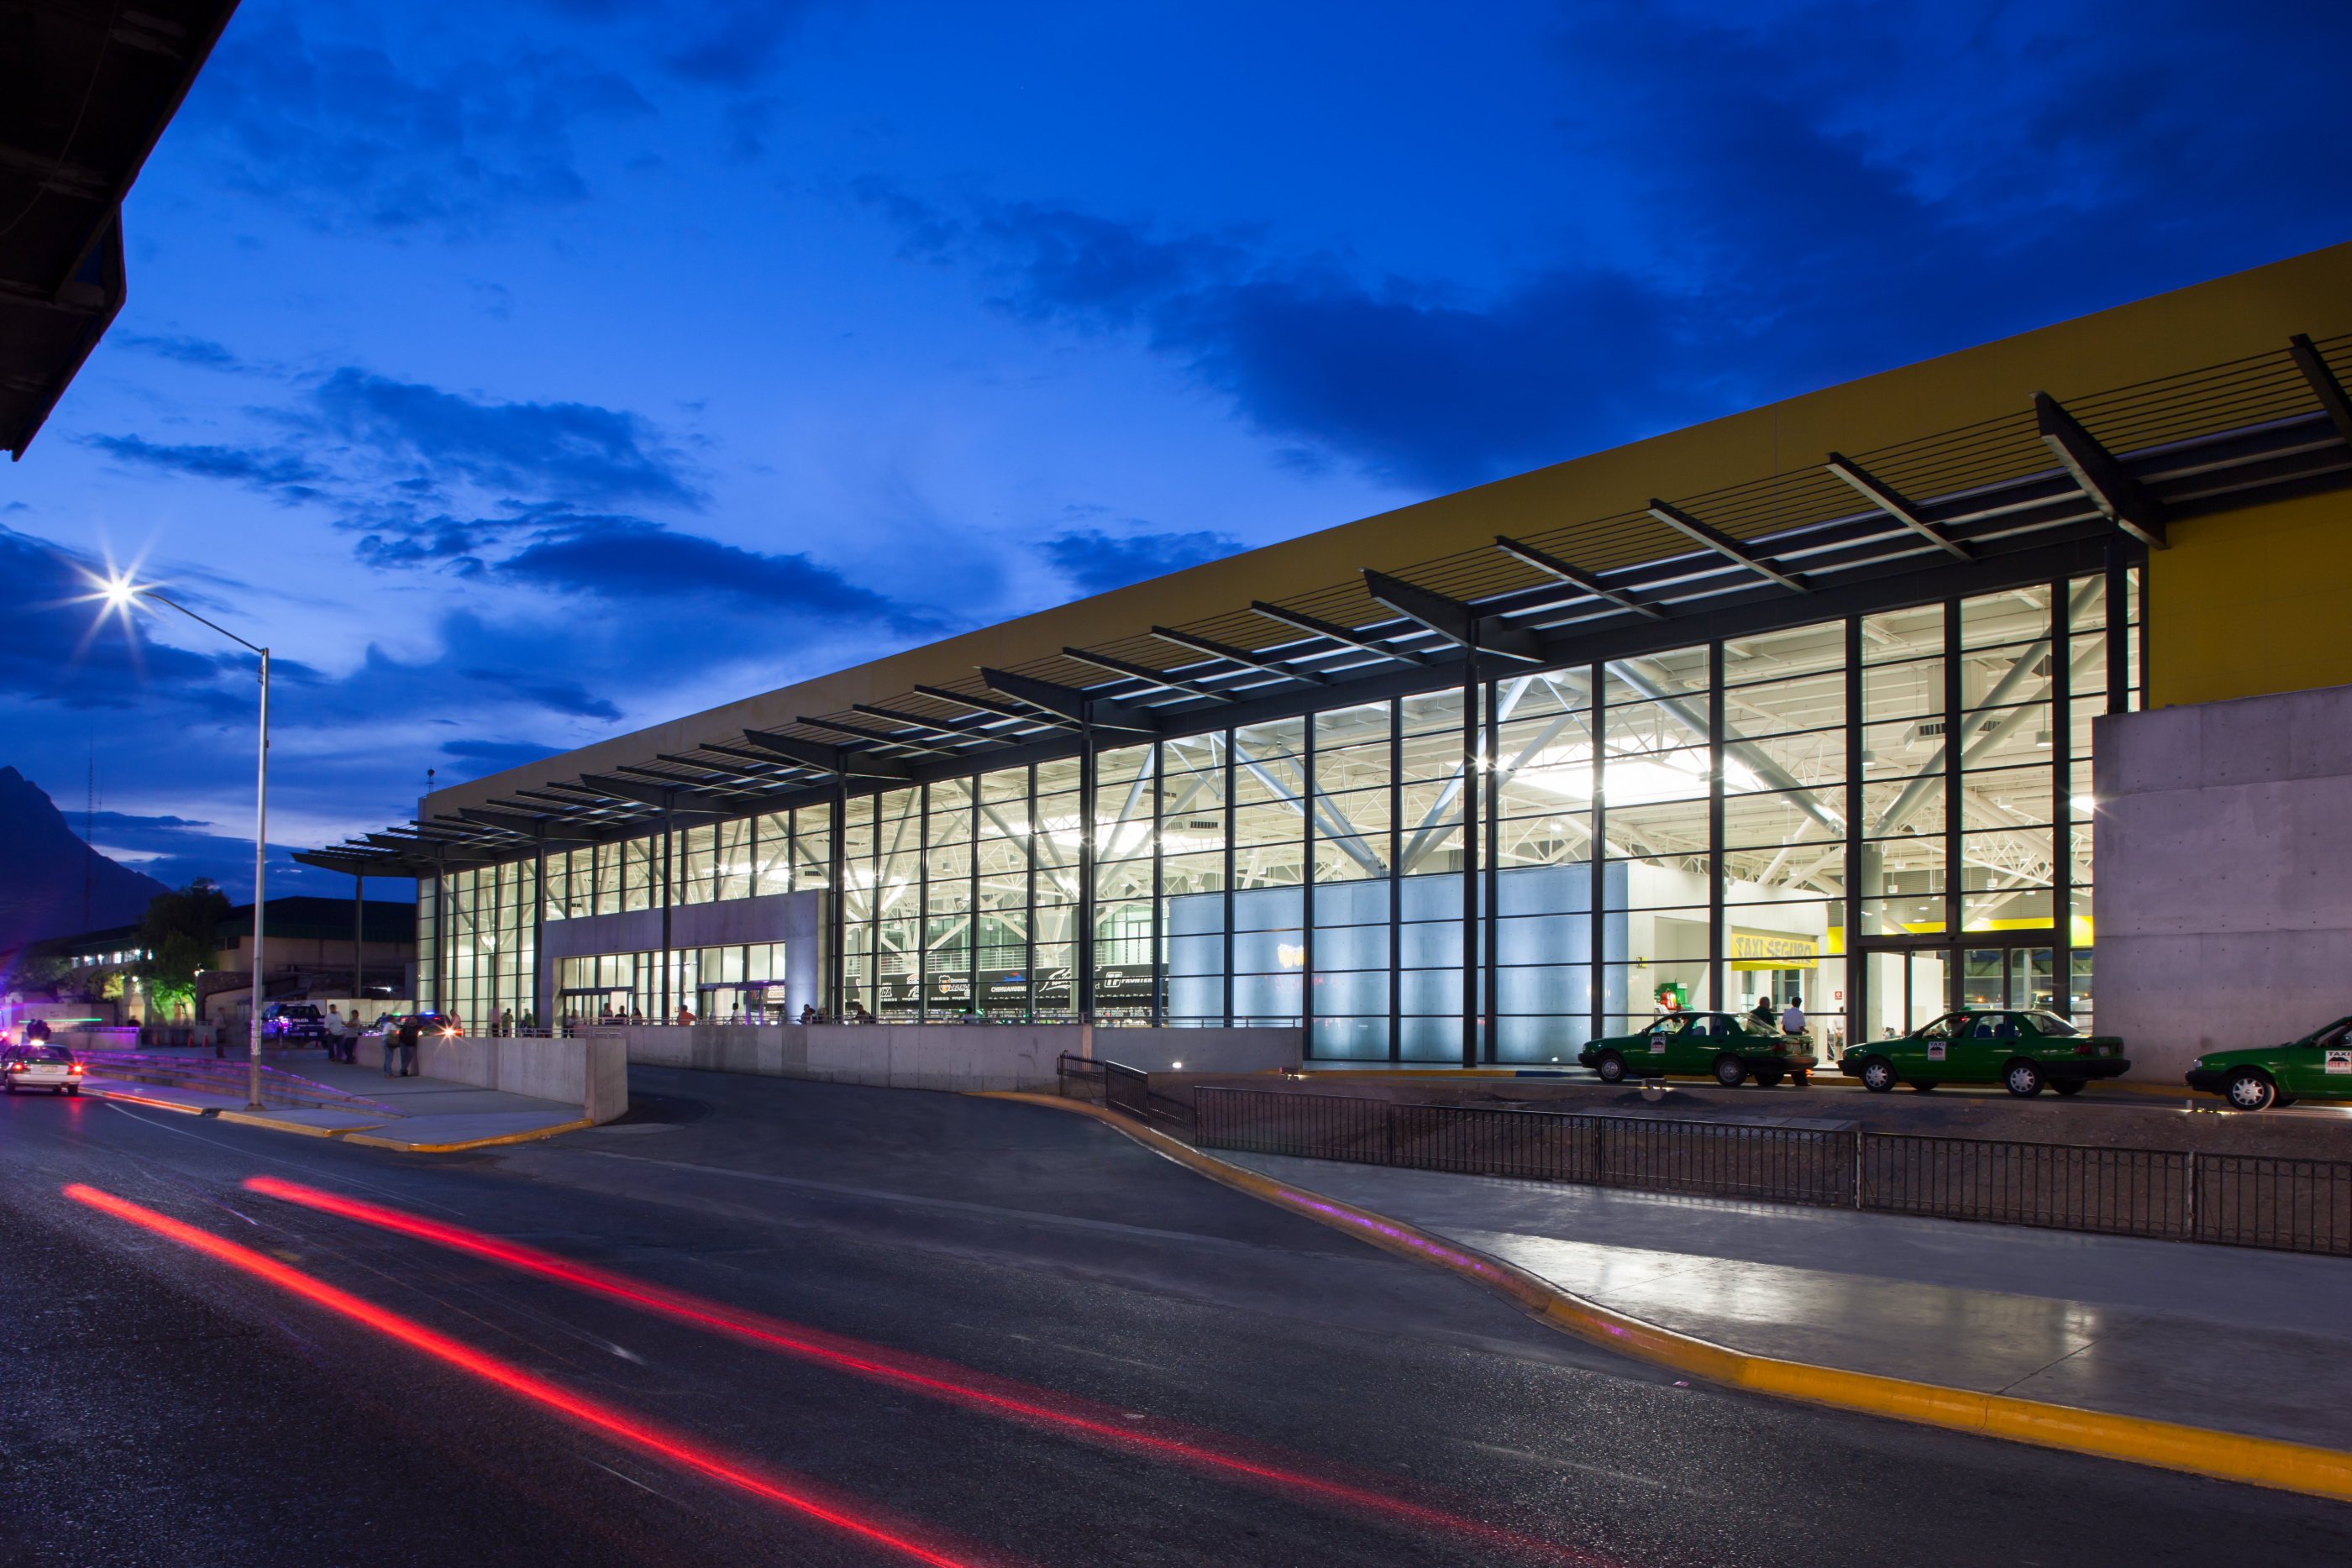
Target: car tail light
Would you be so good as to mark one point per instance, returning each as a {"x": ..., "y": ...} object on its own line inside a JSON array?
[
  {"x": 2084, "y": 1048},
  {"x": 1779, "y": 1048}
]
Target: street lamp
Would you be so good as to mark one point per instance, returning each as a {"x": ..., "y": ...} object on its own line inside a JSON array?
[{"x": 121, "y": 593}]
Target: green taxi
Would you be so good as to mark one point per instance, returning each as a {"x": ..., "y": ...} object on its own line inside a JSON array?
[
  {"x": 2319, "y": 1064},
  {"x": 1730, "y": 1048},
  {"x": 2021, "y": 1051}
]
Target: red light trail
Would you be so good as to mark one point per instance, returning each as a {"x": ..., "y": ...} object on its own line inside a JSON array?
[
  {"x": 803, "y": 1497},
  {"x": 921, "y": 1375}
]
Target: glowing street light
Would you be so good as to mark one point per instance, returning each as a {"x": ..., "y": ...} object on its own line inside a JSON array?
[{"x": 122, "y": 593}]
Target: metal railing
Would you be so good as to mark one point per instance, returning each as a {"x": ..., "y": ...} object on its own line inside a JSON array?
[
  {"x": 1127, "y": 1090},
  {"x": 2237, "y": 1200}
]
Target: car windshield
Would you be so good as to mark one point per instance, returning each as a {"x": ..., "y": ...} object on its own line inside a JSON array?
[
  {"x": 1942, "y": 1028},
  {"x": 44, "y": 1053},
  {"x": 2050, "y": 1023},
  {"x": 1749, "y": 1024},
  {"x": 1673, "y": 1024}
]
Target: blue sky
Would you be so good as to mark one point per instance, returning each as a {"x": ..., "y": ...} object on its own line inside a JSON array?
[{"x": 526, "y": 373}]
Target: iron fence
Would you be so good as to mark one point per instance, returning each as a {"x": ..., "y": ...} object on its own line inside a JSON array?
[{"x": 2239, "y": 1200}]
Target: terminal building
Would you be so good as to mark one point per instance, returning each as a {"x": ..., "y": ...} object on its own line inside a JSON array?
[{"x": 1853, "y": 697}]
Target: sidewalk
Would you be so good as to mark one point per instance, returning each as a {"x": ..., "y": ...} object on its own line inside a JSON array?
[
  {"x": 2245, "y": 1341},
  {"x": 431, "y": 1114}
]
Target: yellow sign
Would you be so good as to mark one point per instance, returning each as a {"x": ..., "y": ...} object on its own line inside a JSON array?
[{"x": 1772, "y": 950}]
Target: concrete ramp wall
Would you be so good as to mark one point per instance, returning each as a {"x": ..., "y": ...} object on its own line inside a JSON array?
[
  {"x": 589, "y": 1072},
  {"x": 949, "y": 1056}
]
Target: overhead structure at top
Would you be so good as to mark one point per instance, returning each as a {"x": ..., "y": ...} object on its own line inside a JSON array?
[
  {"x": 2046, "y": 490},
  {"x": 86, "y": 88}
]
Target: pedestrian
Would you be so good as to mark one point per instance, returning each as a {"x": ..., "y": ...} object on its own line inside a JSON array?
[
  {"x": 506, "y": 1021},
  {"x": 858, "y": 1013},
  {"x": 1792, "y": 1018},
  {"x": 808, "y": 1013},
  {"x": 1763, "y": 1013},
  {"x": 401, "y": 1049}
]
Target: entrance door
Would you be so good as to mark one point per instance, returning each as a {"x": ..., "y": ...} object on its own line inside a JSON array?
[{"x": 1908, "y": 988}]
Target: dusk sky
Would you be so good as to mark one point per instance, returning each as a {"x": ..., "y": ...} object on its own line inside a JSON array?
[{"x": 525, "y": 373}]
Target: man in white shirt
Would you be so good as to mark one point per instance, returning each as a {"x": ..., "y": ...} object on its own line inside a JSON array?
[{"x": 1792, "y": 1018}]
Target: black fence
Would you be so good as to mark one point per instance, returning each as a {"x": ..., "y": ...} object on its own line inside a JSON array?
[
  {"x": 1127, "y": 1090},
  {"x": 2239, "y": 1200}
]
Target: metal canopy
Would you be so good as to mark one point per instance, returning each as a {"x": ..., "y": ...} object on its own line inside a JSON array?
[
  {"x": 2106, "y": 481},
  {"x": 1977, "y": 510},
  {"x": 86, "y": 88},
  {"x": 1723, "y": 544}
]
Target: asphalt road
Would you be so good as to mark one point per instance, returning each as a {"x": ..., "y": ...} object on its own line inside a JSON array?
[{"x": 158, "y": 1408}]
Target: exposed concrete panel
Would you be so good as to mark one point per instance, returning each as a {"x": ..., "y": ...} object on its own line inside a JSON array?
[
  {"x": 590, "y": 1072},
  {"x": 950, "y": 1056},
  {"x": 2224, "y": 856}
]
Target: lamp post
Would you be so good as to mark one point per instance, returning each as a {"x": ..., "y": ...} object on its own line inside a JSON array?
[{"x": 121, "y": 594}]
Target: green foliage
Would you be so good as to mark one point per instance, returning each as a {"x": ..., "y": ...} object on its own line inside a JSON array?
[{"x": 180, "y": 934}]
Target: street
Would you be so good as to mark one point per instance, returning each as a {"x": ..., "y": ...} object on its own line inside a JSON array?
[{"x": 160, "y": 1407}]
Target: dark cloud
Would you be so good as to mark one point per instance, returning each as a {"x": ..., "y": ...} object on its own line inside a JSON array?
[
  {"x": 286, "y": 473},
  {"x": 1097, "y": 561},
  {"x": 1797, "y": 195},
  {"x": 347, "y": 135},
  {"x": 627, "y": 560},
  {"x": 723, "y": 43},
  {"x": 551, "y": 451},
  {"x": 555, "y": 696},
  {"x": 199, "y": 352}
]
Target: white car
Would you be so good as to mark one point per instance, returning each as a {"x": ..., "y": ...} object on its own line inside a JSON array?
[{"x": 40, "y": 1066}]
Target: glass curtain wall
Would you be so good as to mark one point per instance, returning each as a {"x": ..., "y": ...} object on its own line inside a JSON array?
[{"x": 1878, "y": 817}]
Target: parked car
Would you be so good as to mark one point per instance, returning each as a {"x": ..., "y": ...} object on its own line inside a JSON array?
[
  {"x": 1731, "y": 1048},
  {"x": 2319, "y": 1064},
  {"x": 287, "y": 1022},
  {"x": 36, "y": 1064},
  {"x": 426, "y": 1024},
  {"x": 2021, "y": 1051}
]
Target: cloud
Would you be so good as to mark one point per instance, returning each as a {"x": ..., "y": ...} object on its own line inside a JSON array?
[
  {"x": 1097, "y": 561},
  {"x": 202, "y": 352},
  {"x": 627, "y": 560},
  {"x": 555, "y": 696},
  {"x": 556, "y": 451},
  {"x": 1767, "y": 200},
  {"x": 290, "y": 475},
  {"x": 395, "y": 135}
]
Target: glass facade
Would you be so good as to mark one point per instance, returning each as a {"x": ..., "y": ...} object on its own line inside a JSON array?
[{"x": 1883, "y": 815}]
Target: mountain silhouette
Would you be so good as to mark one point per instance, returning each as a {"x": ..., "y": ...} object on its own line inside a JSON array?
[{"x": 43, "y": 863}]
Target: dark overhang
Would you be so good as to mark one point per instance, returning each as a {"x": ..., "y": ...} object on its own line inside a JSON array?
[
  {"x": 1978, "y": 511},
  {"x": 86, "y": 87}
]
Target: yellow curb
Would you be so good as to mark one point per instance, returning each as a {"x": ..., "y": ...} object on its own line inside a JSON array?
[
  {"x": 142, "y": 1100},
  {"x": 2227, "y": 1456},
  {"x": 532, "y": 1136},
  {"x": 253, "y": 1120}
]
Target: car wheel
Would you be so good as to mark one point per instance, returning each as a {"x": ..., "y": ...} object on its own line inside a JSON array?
[
  {"x": 1611, "y": 1068},
  {"x": 2022, "y": 1079},
  {"x": 1767, "y": 1081},
  {"x": 1730, "y": 1071},
  {"x": 73, "y": 1089},
  {"x": 2248, "y": 1090},
  {"x": 1878, "y": 1075},
  {"x": 2072, "y": 1086}
]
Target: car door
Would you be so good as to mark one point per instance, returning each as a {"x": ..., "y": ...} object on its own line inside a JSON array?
[
  {"x": 1695, "y": 1049},
  {"x": 2321, "y": 1065},
  {"x": 1656, "y": 1053},
  {"x": 1926, "y": 1056},
  {"x": 1983, "y": 1047}
]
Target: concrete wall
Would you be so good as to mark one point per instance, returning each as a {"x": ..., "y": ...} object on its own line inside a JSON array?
[
  {"x": 591, "y": 1071},
  {"x": 2222, "y": 908},
  {"x": 949, "y": 1056}
]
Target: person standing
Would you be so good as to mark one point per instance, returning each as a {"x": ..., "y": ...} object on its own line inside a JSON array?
[
  {"x": 1792, "y": 1018},
  {"x": 401, "y": 1049}
]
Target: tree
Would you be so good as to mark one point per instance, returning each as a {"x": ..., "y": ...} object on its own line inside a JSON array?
[{"x": 181, "y": 938}]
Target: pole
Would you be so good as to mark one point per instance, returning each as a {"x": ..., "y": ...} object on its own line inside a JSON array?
[{"x": 260, "y": 854}]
